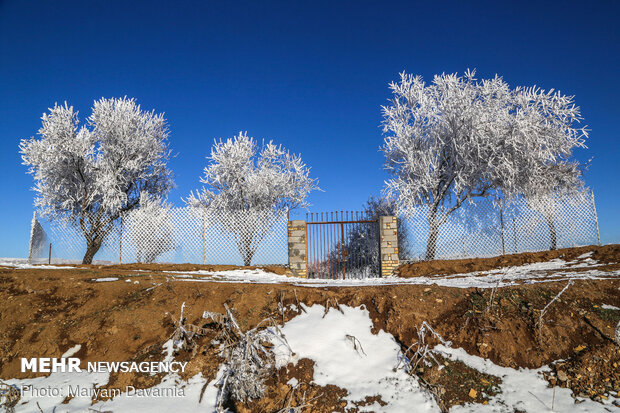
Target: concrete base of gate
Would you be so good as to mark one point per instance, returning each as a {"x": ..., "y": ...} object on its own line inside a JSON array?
[{"x": 388, "y": 233}]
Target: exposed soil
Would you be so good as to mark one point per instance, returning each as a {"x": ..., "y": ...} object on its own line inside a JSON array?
[
  {"x": 590, "y": 374},
  {"x": 455, "y": 383},
  {"x": 606, "y": 254},
  {"x": 45, "y": 312}
]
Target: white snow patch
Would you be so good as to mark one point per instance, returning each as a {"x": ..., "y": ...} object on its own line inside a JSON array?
[
  {"x": 293, "y": 382},
  {"x": 609, "y": 307},
  {"x": 586, "y": 255},
  {"x": 71, "y": 351},
  {"x": 106, "y": 279},
  {"x": 22, "y": 264},
  {"x": 367, "y": 371}
]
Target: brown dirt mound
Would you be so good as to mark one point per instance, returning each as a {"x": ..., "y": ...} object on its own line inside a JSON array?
[
  {"x": 45, "y": 312},
  {"x": 607, "y": 254}
]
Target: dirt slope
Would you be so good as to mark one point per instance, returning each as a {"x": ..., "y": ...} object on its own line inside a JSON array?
[{"x": 45, "y": 312}]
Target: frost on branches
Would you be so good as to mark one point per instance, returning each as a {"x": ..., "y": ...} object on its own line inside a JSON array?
[
  {"x": 459, "y": 138},
  {"x": 151, "y": 228},
  {"x": 248, "y": 189},
  {"x": 89, "y": 175}
]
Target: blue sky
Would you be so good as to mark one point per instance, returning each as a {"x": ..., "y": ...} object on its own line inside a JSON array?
[{"x": 309, "y": 75}]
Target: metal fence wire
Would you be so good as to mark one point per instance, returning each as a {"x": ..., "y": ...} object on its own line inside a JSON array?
[
  {"x": 176, "y": 235},
  {"x": 486, "y": 228},
  {"x": 483, "y": 228}
]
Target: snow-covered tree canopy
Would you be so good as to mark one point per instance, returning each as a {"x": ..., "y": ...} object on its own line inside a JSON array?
[
  {"x": 91, "y": 174},
  {"x": 247, "y": 189},
  {"x": 240, "y": 176},
  {"x": 458, "y": 138}
]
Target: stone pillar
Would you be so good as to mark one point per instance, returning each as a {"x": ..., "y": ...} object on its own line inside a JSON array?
[
  {"x": 297, "y": 248},
  {"x": 389, "y": 245}
]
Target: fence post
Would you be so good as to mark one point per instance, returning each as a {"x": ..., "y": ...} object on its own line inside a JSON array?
[
  {"x": 120, "y": 248},
  {"x": 297, "y": 248},
  {"x": 388, "y": 249},
  {"x": 204, "y": 238},
  {"x": 501, "y": 220},
  {"x": 598, "y": 234},
  {"x": 49, "y": 258}
]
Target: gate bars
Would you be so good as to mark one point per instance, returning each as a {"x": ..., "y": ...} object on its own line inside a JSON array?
[{"x": 342, "y": 245}]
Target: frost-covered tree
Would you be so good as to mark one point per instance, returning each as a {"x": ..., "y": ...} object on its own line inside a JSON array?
[
  {"x": 89, "y": 175},
  {"x": 151, "y": 228},
  {"x": 459, "y": 138},
  {"x": 248, "y": 189}
]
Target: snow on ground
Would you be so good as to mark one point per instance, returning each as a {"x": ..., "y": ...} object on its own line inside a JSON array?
[
  {"x": 345, "y": 354},
  {"x": 172, "y": 394},
  {"x": 371, "y": 372},
  {"x": 330, "y": 340},
  {"x": 553, "y": 270},
  {"x": 22, "y": 263},
  {"x": 73, "y": 350},
  {"x": 106, "y": 279},
  {"x": 522, "y": 390}
]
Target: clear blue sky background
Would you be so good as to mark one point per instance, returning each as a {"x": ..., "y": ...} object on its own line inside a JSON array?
[{"x": 309, "y": 75}]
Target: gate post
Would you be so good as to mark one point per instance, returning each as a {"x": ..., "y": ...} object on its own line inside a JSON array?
[
  {"x": 388, "y": 248},
  {"x": 297, "y": 248}
]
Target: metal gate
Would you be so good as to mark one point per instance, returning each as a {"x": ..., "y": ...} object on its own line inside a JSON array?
[{"x": 342, "y": 245}]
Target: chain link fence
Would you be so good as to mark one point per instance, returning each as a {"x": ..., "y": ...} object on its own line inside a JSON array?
[
  {"x": 480, "y": 229},
  {"x": 171, "y": 235},
  {"x": 486, "y": 228}
]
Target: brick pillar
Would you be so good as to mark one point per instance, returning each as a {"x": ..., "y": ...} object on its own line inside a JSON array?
[
  {"x": 389, "y": 245},
  {"x": 297, "y": 248}
]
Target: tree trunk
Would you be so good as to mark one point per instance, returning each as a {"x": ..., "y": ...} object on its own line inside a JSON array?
[
  {"x": 92, "y": 246},
  {"x": 431, "y": 244},
  {"x": 248, "y": 253},
  {"x": 245, "y": 247},
  {"x": 552, "y": 234},
  {"x": 247, "y": 260}
]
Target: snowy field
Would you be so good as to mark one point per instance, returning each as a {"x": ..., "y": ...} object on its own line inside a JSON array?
[
  {"x": 583, "y": 267},
  {"x": 370, "y": 369}
]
